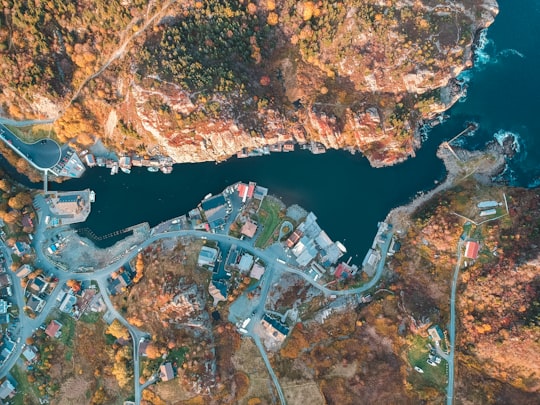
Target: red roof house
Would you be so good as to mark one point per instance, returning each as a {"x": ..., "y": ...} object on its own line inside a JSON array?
[
  {"x": 53, "y": 328},
  {"x": 242, "y": 190},
  {"x": 471, "y": 250}
]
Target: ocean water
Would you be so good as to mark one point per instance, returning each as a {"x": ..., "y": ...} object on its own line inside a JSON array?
[
  {"x": 503, "y": 94},
  {"x": 348, "y": 196}
]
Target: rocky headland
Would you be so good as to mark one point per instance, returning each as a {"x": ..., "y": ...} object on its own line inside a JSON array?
[{"x": 203, "y": 80}]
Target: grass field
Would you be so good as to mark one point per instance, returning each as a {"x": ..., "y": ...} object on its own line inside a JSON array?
[
  {"x": 26, "y": 393},
  {"x": 33, "y": 133},
  {"x": 269, "y": 219},
  {"x": 433, "y": 376}
]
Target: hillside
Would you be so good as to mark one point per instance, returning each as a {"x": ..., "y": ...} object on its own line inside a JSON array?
[{"x": 203, "y": 79}]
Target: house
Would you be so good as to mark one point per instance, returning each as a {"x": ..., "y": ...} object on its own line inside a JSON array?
[
  {"x": 21, "y": 248},
  {"x": 218, "y": 291},
  {"x": 4, "y": 306},
  {"x": 24, "y": 270},
  {"x": 35, "y": 303},
  {"x": 249, "y": 229},
  {"x": 142, "y": 348},
  {"x": 246, "y": 191},
  {"x": 436, "y": 334},
  {"x": 215, "y": 209},
  {"x": 68, "y": 303},
  {"x": 7, "y": 349},
  {"x": 246, "y": 261},
  {"x": 343, "y": 270},
  {"x": 207, "y": 256},
  {"x": 471, "y": 250},
  {"x": 7, "y": 390},
  {"x": 5, "y": 280},
  {"x": 53, "y": 329},
  {"x": 294, "y": 238},
  {"x": 288, "y": 147},
  {"x": 260, "y": 193},
  {"x": 37, "y": 285},
  {"x": 30, "y": 353},
  {"x": 274, "y": 328},
  {"x": 89, "y": 160},
  {"x": 257, "y": 271},
  {"x": 166, "y": 372},
  {"x": 27, "y": 221}
]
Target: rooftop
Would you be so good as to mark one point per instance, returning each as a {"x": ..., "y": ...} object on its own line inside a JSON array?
[
  {"x": 471, "y": 250},
  {"x": 53, "y": 328},
  {"x": 166, "y": 372},
  {"x": 249, "y": 229}
]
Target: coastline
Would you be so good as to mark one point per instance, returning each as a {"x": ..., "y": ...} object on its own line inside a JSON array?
[{"x": 483, "y": 163}]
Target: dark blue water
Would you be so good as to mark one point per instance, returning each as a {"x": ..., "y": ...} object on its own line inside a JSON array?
[
  {"x": 347, "y": 195},
  {"x": 504, "y": 88}
]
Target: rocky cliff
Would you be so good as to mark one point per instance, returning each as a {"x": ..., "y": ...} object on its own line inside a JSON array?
[{"x": 203, "y": 79}]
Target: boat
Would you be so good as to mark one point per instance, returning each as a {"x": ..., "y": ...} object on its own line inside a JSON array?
[
  {"x": 166, "y": 169},
  {"x": 92, "y": 196},
  {"x": 152, "y": 169},
  {"x": 125, "y": 170},
  {"x": 114, "y": 168}
]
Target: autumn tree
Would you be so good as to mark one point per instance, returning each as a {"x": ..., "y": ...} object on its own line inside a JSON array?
[
  {"x": 152, "y": 351},
  {"x": 74, "y": 285},
  {"x": 5, "y": 185},
  {"x": 118, "y": 330},
  {"x": 20, "y": 200},
  {"x": 139, "y": 267},
  {"x": 272, "y": 19}
]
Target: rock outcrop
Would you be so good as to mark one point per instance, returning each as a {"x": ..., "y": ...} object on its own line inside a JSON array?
[{"x": 206, "y": 80}]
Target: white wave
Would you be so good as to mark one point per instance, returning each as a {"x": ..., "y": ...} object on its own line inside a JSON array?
[
  {"x": 534, "y": 183},
  {"x": 482, "y": 50},
  {"x": 501, "y": 135},
  {"x": 510, "y": 52},
  {"x": 508, "y": 175}
]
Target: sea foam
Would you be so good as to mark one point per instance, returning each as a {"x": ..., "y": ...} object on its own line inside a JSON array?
[{"x": 501, "y": 136}]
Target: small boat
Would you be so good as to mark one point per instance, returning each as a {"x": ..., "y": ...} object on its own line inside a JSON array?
[
  {"x": 125, "y": 170},
  {"x": 166, "y": 169},
  {"x": 153, "y": 169},
  {"x": 92, "y": 196},
  {"x": 114, "y": 168}
]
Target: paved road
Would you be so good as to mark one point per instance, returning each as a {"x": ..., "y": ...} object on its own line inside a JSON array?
[
  {"x": 136, "y": 335},
  {"x": 452, "y": 328},
  {"x": 255, "y": 319},
  {"x": 28, "y": 326},
  {"x": 43, "y": 154}
]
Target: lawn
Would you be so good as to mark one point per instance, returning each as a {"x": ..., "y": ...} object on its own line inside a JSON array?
[
  {"x": 434, "y": 376},
  {"x": 269, "y": 219},
  {"x": 26, "y": 393},
  {"x": 31, "y": 134}
]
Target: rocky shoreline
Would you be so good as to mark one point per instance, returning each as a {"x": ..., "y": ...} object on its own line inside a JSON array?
[{"x": 460, "y": 164}]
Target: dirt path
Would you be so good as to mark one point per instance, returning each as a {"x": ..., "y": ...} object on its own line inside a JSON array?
[{"x": 121, "y": 50}]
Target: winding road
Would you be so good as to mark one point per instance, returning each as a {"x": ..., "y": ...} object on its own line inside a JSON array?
[
  {"x": 452, "y": 328},
  {"x": 29, "y": 325}
]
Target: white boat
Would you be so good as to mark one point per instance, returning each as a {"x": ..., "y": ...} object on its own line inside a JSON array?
[
  {"x": 125, "y": 170},
  {"x": 153, "y": 169},
  {"x": 92, "y": 196},
  {"x": 166, "y": 169},
  {"x": 114, "y": 168}
]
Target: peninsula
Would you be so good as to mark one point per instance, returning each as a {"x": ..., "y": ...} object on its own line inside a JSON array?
[{"x": 204, "y": 80}]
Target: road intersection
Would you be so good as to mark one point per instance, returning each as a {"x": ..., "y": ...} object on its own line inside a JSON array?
[{"x": 276, "y": 260}]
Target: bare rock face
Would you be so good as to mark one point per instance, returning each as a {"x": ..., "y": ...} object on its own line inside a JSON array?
[{"x": 207, "y": 81}]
